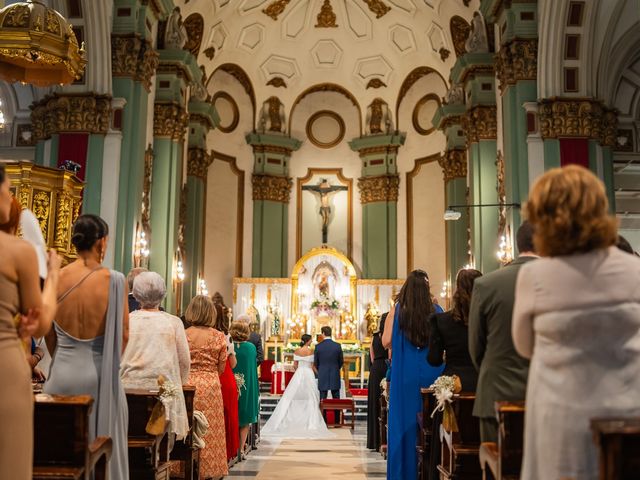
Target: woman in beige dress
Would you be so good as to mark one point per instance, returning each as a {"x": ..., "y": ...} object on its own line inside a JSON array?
[{"x": 19, "y": 293}]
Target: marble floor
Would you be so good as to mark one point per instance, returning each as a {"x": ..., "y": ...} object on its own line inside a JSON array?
[{"x": 344, "y": 456}]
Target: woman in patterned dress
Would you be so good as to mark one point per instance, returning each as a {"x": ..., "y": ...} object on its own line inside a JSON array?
[
  {"x": 208, "y": 361},
  {"x": 229, "y": 388}
]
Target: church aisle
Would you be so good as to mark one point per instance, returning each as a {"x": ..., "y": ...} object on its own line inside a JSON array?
[{"x": 344, "y": 457}]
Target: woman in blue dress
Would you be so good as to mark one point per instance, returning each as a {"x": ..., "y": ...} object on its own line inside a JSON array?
[{"x": 406, "y": 332}]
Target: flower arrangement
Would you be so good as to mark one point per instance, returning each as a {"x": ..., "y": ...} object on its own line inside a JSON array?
[
  {"x": 240, "y": 383},
  {"x": 444, "y": 388},
  {"x": 325, "y": 305},
  {"x": 384, "y": 385},
  {"x": 352, "y": 348},
  {"x": 168, "y": 389}
]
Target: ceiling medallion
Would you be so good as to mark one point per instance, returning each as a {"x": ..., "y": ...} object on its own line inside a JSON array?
[
  {"x": 376, "y": 83},
  {"x": 378, "y": 7},
  {"x": 38, "y": 46},
  {"x": 326, "y": 17},
  {"x": 276, "y": 8},
  {"x": 277, "y": 82},
  {"x": 324, "y": 118}
]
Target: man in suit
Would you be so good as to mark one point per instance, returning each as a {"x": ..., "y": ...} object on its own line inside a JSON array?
[
  {"x": 327, "y": 361},
  {"x": 502, "y": 372}
]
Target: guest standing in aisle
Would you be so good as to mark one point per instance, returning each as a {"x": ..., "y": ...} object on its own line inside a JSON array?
[
  {"x": 406, "y": 332},
  {"x": 379, "y": 356}
]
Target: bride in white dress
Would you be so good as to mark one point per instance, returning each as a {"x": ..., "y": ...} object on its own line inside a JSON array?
[{"x": 297, "y": 414}]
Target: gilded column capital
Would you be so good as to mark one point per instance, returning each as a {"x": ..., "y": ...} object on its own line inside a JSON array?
[
  {"x": 382, "y": 188},
  {"x": 516, "y": 61},
  {"x": 480, "y": 123},
  {"x": 170, "y": 120},
  {"x": 453, "y": 164},
  {"x": 198, "y": 162},
  {"x": 133, "y": 57},
  {"x": 577, "y": 117},
  {"x": 78, "y": 113},
  {"x": 271, "y": 187}
]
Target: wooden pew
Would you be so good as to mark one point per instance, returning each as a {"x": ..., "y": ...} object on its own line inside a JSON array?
[
  {"x": 425, "y": 432},
  {"x": 504, "y": 459},
  {"x": 183, "y": 450},
  {"x": 382, "y": 420},
  {"x": 459, "y": 454},
  {"x": 148, "y": 454},
  {"x": 61, "y": 440},
  {"x": 618, "y": 440}
]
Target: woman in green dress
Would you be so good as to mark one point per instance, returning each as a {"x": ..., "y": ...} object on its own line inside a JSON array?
[{"x": 248, "y": 403}]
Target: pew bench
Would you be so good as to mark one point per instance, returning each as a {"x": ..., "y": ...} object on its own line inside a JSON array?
[
  {"x": 382, "y": 420},
  {"x": 61, "y": 440},
  {"x": 425, "y": 432},
  {"x": 343, "y": 404},
  {"x": 183, "y": 450},
  {"x": 503, "y": 460},
  {"x": 459, "y": 453},
  {"x": 618, "y": 442},
  {"x": 148, "y": 454}
]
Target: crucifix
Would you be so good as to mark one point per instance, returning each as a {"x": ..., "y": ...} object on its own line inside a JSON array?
[{"x": 324, "y": 189}]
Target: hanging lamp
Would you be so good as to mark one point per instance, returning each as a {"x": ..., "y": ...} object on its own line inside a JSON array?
[{"x": 38, "y": 46}]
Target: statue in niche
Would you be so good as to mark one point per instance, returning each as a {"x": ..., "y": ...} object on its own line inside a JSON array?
[
  {"x": 175, "y": 36},
  {"x": 478, "y": 41},
  {"x": 378, "y": 119},
  {"x": 323, "y": 286},
  {"x": 324, "y": 189},
  {"x": 272, "y": 116},
  {"x": 455, "y": 95},
  {"x": 372, "y": 319}
]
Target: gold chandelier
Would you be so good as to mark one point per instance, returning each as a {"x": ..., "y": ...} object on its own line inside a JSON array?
[{"x": 38, "y": 46}]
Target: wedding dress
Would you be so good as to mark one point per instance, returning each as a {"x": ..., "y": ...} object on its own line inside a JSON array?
[{"x": 297, "y": 414}]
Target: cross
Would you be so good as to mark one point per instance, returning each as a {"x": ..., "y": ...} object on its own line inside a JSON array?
[{"x": 324, "y": 189}]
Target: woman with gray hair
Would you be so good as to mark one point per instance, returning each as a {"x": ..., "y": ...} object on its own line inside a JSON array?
[{"x": 157, "y": 348}]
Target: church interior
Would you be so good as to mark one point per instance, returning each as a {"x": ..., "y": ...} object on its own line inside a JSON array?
[{"x": 300, "y": 158}]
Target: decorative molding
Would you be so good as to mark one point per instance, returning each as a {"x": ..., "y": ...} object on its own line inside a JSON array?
[
  {"x": 182, "y": 223},
  {"x": 326, "y": 18},
  {"x": 272, "y": 188},
  {"x": 276, "y": 8},
  {"x": 415, "y": 75},
  {"x": 501, "y": 188},
  {"x": 194, "y": 24},
  {"x": 277, "y": 82},
  {"x": 22, "y": 130},
  {"x": 80, "y": 113},
  {"x": 243, "y": 79},
  {"x": 379, "y": 149},
  {"x": 480, "y": 123},
  {"x": 146, "y": 190},
  {"x": 344, "y": 181},
  {"x": 375, "y": 83},
  {"x": 453, "y": 164},
  {"x": 198, "y": 162},
  {"x": 170, "y": 120},
  {"x": 210, "y": 52},
  {"x": 460, "y": 30},
  {"x": 133, "y": 57},
  {"x": 575, "y": 117},
  {"x": 410, "y": 177},
  {"x": 378, "y": 7},
  {"x": 261, "y": 281},
  {"x": 415, "y": 116},
  {"x": 516, "y": 61},
  {"x": 325, "y": 113},
  {"x": 383, "y": 188},
  {"x": 236, "y": 112},
  {"x": 444, "y": 53}
]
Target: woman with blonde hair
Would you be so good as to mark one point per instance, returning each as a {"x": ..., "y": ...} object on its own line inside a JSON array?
[
  {"x": 246, "y": 368},
  {"x": 208, "y": 348},
  {"x": 577, "y": 316}
]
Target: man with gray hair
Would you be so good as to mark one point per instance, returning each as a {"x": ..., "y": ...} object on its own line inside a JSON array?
[
  {"x": 133, "y": 303},
  {"x": 254, "y": 337}
]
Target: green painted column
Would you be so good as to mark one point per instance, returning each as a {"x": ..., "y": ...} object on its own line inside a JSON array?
[
  {"x": 271, "y": 193},
  {"x": 379, "y": 186},
  {"x": 93, "y": 177}
]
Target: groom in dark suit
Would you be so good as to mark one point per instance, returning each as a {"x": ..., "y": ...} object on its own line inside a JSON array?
[{"x": 327, "y": 361}]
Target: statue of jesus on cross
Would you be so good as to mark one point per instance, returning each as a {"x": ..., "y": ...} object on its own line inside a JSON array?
[{"x": 324, "y": 189}]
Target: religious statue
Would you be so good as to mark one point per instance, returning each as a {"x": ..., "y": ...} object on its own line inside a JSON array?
[
  {"x": 477, "y": 41},
  {"x": 372, "y": 318},
  {"x": 175, "y": 35},
  {"x": 323, "y": 286},
  {"x": 455, "y": 95},
  {"x": 272, "y": 116},
  {"x": 378, "y": 119},
  {"x": 324, "y": 189}
]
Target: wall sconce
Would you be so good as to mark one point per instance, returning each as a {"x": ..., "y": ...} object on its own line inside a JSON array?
[
  {"x": 202, "y": 287},
  {"x": 180, "y": 276},
  {"x": 141, "y": 248},
  {"x": 505, "y": 252}
]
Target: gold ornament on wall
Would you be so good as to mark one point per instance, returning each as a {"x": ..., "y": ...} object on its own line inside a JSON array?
[
  {"x": 194, "y": 24},
  {"x": 198, "y": 162},
  {"x": 453, "y": 164},
  {"x": 38, "y": 46},
  {"x": 383, "y": 188},
  {"x": 271, "y": 187},
  {"x": 378, "y": 7},
  {"x": 276, "y": 8},
  {"x": 460, "y": 30},
  {"x": 170, "y": 120},
  {"x": 501, "y": 188},
  {"x": 480, "y": 123},
  {"x": 578, "y": 118},
  {"x": 326, "y": 18},
  {"x": 516, "y": 61},
  {"x": 133, "y": 57}
]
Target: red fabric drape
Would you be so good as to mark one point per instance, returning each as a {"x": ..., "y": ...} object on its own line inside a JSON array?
[
  {"x": 574, "y": 151},
  {"x": 74, "y": 146}
]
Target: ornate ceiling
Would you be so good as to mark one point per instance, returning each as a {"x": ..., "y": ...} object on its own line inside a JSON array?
[{"x": 367, "y": 46}]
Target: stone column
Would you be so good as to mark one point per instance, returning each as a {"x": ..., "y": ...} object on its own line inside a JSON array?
[
  {"x": 379, "y": 186},
  {"x": 271, "y": 194},
  {"x": 133, "y": 63}
]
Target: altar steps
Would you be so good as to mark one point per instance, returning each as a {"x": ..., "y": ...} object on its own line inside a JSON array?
[{"x": 268, "y": 404}]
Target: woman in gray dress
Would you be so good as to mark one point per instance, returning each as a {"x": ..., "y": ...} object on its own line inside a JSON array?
[{"x": 90, "y": 332}]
